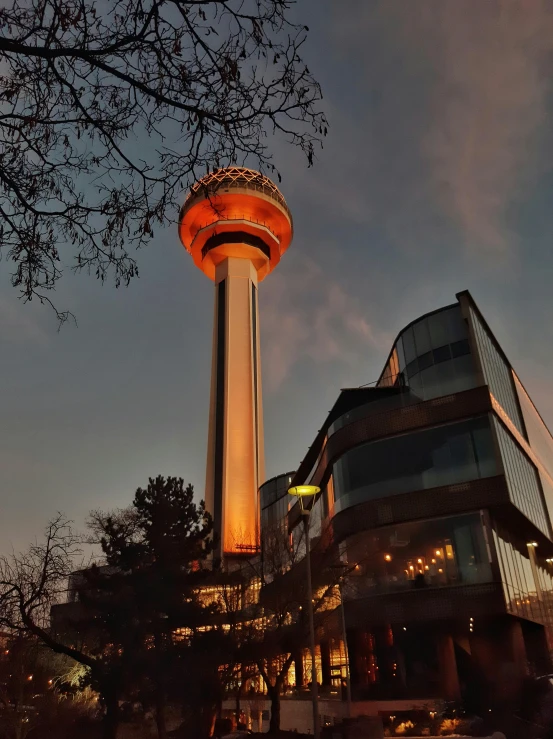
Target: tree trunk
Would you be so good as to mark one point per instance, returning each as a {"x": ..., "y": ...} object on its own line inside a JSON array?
[
  {"x": 274, "y": 696},
  {"x": 160, "y": 715},
  {"x": 111, "y": 719},
  {"x": 237, "y": 708}
]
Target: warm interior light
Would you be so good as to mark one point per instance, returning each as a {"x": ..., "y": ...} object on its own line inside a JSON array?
[
  {"x": 438, "y": 552},
  {"x": 304, "y": 491},
  {"x": 419, "y": 561},
  {"x": 411, "y": 567},
  {"x": 388, "y": 557},
  {"x": 532, "y": 543}
]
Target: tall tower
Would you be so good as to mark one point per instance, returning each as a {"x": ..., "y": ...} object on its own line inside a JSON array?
[{"x": 236, "y": 225}]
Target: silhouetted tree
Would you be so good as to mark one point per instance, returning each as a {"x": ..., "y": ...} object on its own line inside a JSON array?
[
  {"x": 157, "y": 553},
  {"x": 276, "y": 631},
  {"x": 109, "y": 110},
  {"x": 132, "y": 621}
]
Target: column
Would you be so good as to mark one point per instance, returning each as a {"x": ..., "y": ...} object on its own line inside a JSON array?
[{"x": 448, "y": 667}]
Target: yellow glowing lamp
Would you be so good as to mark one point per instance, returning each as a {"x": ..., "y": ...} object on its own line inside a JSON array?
[{"x": 304, "y": 491}]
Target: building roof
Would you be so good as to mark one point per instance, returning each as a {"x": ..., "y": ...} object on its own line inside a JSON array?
[{"x": 235, "y": 177}]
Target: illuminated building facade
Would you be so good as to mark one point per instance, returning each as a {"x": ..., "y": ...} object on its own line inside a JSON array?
[
  {"x": 236, "y": 226},
  {"x": 438, "y": 484}
]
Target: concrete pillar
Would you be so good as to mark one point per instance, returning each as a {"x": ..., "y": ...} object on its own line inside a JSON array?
[
  {"x": 298, "y": 668},
  {"x": 325, "y": 662},
  {"x": 516, "y": 646},
  {"x": 448, "y": 667}
]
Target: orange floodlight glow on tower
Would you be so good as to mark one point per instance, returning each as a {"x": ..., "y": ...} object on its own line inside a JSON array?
[{"x": 236, "y": 226}]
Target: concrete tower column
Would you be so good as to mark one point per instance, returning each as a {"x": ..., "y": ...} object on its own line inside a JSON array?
[
  {"x": 236, "y": 226},
  {"x": 235, "y": 456}
]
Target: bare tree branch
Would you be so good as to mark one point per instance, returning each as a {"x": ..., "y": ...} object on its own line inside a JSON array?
[{"x": 108, "y": 112}]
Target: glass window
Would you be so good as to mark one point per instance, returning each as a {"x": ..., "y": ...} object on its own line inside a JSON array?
[
  {"x": 522, "y": 479},
  {"x": 442, "y": 354},
  {"x": 412, "y": 368},
  {"x": 459, "y": 348},
  {"x": 435, "y": 553},
  {"x": 521, "y": 582},
  {"x": 422, "y": 337},
  {"x": 409, "y": 345},
  {"x": 440, "y": 339},
  {"x": 425, "y": 360},
  {"x": 400, "y": 353},
  {"x": 439, "y": 456},
  {"x": 438, "y": 323},
  {"x": 540, "y": 440},
  {"x": 497, "y": 373},
  {"x": 457, "y": 327}
]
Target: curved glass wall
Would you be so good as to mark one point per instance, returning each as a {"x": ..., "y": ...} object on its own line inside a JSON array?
[
  {"x": 432, "y": 356},
  {"x": 522, "y": 479},
  {"x": 435, "y": 553},
  {"x": 274, "y": 500},
  {"x": 443, "y": 455},
  {"x": 527, "y": 584}
]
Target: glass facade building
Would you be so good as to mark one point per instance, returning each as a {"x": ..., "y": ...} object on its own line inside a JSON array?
[
  {"x": 432, "y": 356},
  {"x": 434, "y": 553},
  {"x": 430, "y": 458},
  {"x": 438, "y": 486}
]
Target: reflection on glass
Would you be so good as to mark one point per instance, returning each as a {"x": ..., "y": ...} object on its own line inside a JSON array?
[
  {"x": 540, "y": 440},
  {"x": 522, "y": 479},
  {"x": 433, "y": 356},
  {"x": 425, "y": 459},
  {"x": 497, "y": 373},
  {"x": 524, "y": 596},
  {"x": 436, "y": 553}
]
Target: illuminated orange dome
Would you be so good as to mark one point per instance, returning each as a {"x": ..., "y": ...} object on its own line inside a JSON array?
[{"x": 235, "y": 212}]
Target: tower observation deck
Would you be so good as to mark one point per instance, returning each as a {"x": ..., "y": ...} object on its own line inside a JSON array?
[{"x": 236, "y": 226}]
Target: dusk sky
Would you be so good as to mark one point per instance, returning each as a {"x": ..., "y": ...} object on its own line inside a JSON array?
[{"x": 436, "y": 176}]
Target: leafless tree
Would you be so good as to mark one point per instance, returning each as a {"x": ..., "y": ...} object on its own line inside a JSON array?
[
  {"x": 108, "y": 110},
  {"x": 276, "y": 632},
  {"x": 34, "y": 581}
]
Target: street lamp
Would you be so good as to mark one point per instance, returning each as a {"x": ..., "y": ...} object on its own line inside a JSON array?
[
  {"x": 345, "y": 567},
  {"x": 301, "y": 492}
]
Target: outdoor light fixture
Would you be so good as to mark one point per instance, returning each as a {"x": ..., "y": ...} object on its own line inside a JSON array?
[
  {"x": 304, "y": 491},
  {"x": 301, "y": 492},
  {"x": 388, "y": 557}
]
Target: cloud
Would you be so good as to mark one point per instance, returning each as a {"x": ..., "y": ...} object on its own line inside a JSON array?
[
  {"x": 488, "y": 110},
  {"x": 446, "y": 121},
  {"x": 308, "y": 315}
]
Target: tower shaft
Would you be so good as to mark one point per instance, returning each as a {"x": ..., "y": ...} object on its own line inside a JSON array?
[{"x": 235, "y": 456}]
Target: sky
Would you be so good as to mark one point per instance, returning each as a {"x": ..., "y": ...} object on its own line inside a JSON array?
[{"x": 436, "y": 176}]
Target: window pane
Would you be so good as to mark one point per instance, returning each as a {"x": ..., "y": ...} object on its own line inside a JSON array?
[
  {"x": 409, "y": 345},
  {"x": 436, "y": 553},
  {"x": 440, "y": 456},
  {"x": 400, "y": 353},
  {"x": 438, "y": 324},
  {"x": 422, "y": 337},
  {"x": 442, "y": 354},
  {"x": 425, "y": 360},
  {"x": 457, "y": 328},
  {"x": 459, "y": 348}
]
